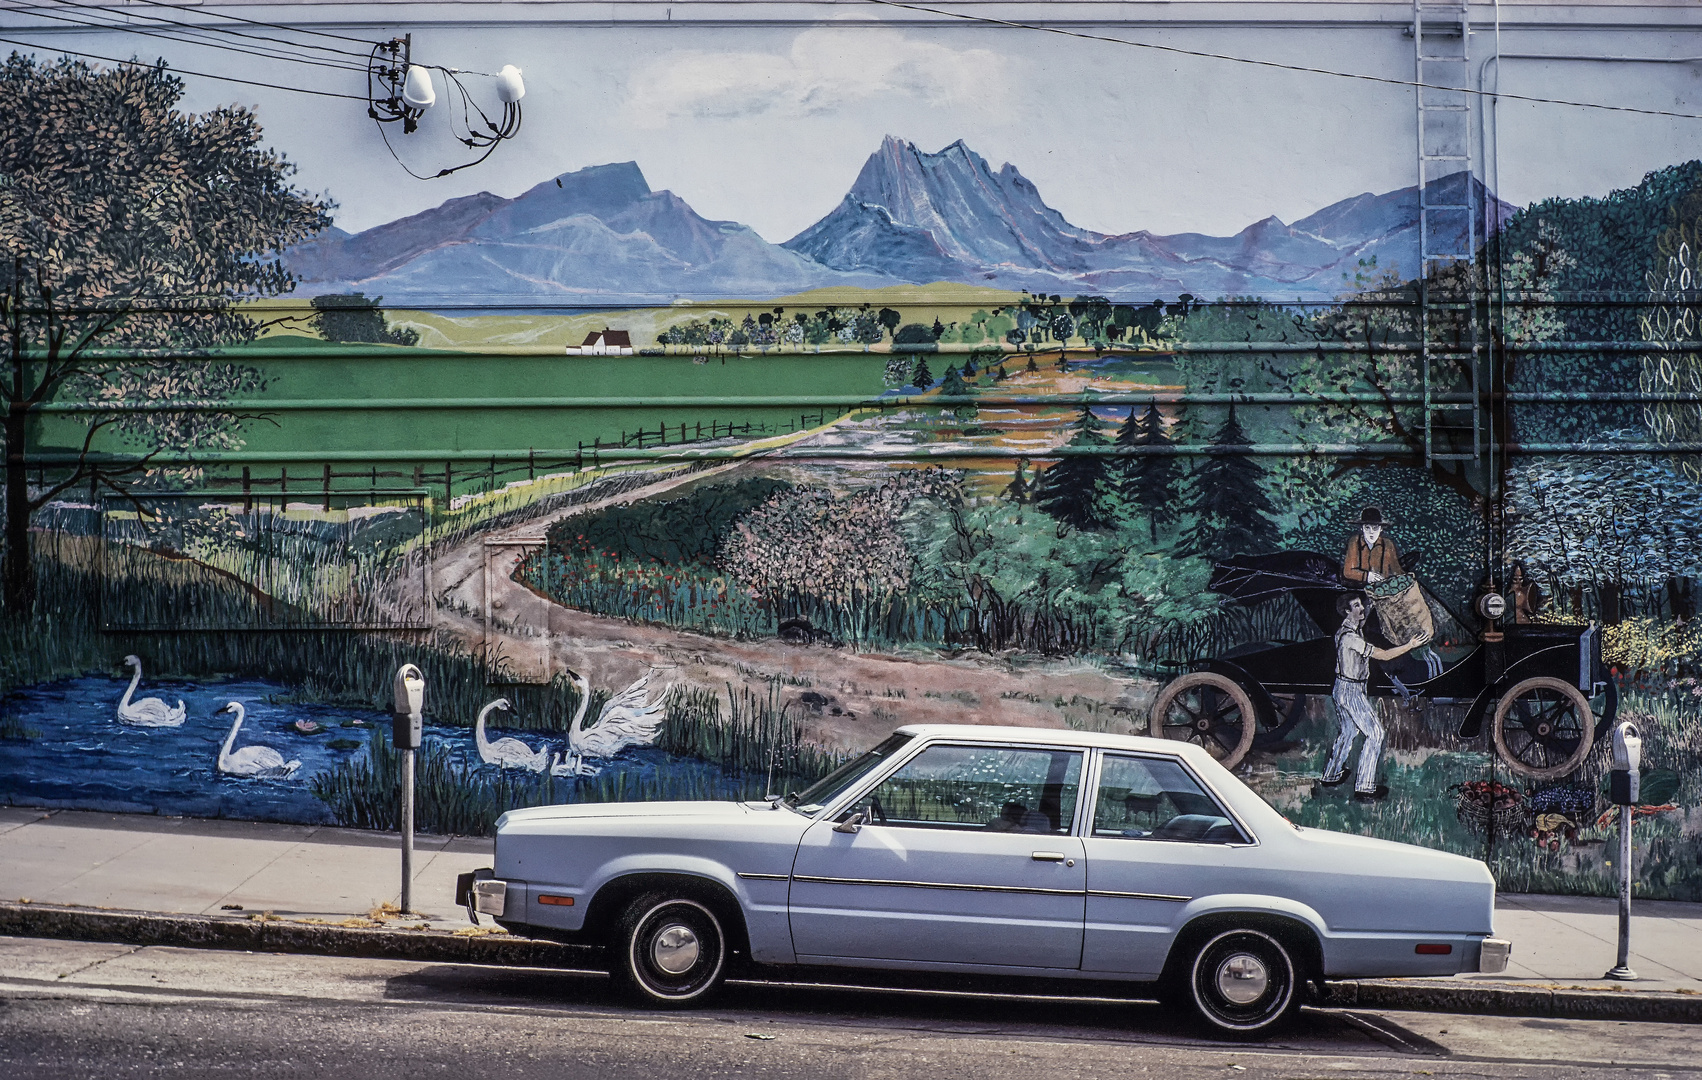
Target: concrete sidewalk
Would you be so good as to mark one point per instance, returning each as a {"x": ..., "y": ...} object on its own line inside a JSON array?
[{"x": 156, "y": 880}]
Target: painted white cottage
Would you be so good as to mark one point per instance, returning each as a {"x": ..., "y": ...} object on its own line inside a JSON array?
[{"x": 604, "y": 342}]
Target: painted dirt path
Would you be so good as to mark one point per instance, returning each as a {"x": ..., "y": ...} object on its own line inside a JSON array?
[{"x": 854, "y": 698}]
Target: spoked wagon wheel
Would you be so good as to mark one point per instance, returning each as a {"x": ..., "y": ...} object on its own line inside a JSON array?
[
  {"x": 1287, "y": 710},
  {"x": 1210, "y": 710},
  {"x": 1543, "y": 728}
]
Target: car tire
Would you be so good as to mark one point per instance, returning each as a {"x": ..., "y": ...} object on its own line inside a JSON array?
[
  {"x": 672, "y": 951},
  {"x": 1244, "y": 983}
]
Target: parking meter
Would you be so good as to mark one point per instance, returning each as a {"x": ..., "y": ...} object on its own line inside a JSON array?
[
  {"x": 409, "y": 686},
  {"x": 410, "y": 706},
  {"x": 1627, "y": 761},
  {"x": 1623, "y": 789}
]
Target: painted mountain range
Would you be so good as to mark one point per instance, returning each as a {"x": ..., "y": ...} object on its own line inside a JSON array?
[{"x": 601, "y": 235}]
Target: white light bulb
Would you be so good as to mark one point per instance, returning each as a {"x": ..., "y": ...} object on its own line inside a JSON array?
[
  {"x": 508, "y": 85},
  {"x": 417, "y": 92}
]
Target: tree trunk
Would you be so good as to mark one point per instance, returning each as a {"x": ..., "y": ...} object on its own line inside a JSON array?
[{"x": 19, "y": 579}]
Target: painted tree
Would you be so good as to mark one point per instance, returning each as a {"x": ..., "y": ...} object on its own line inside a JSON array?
[
  {"x": 357, "y": 318},
  {"x": 1017, "y": 490},
  {"x": 954, "y": 386},
  {"x": 128, "y": 229},
  {"x": 922, "y": 378},
  {"x": 1151, "y": 481},
  {"x": 1232, "y": 514},
  {"x": 1073, "y": 491}
]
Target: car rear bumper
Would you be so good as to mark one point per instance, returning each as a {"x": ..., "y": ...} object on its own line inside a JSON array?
[{"x": 1493, "y": 955}]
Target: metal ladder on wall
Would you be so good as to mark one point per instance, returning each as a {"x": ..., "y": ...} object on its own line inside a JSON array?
[{"x": 1449, "y": 323}]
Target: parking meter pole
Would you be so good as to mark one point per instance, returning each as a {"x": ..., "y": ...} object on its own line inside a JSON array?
[
  {"x": 1622, "y": 970},
  {"x": 408, "y": 724},
  {"x": 1624, "y": 789},
  {"x": 408, "y": 834}
]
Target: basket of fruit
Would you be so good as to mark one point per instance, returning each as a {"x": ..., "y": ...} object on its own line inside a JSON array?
[{"x": 1479, "y": 802}]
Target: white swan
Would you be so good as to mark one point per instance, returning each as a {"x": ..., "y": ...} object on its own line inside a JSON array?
[
  {"x": 507, "y": 753},
  {"x": 571, "y": 764},
  {"x": 628, "y": 719},
  {"x": 261, "y": 761},
  {"x": 150, "y": 711}
]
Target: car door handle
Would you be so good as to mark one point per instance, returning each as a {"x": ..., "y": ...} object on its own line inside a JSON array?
[{"x": 1047, "y": 856}]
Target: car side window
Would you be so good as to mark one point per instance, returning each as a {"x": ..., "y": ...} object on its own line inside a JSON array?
[
  {"x": 984, "y": 788},
  {"x": 1156, "y": 799}
]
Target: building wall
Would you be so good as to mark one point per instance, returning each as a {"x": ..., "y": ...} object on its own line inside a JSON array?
[{"x": 999, "y": 364}]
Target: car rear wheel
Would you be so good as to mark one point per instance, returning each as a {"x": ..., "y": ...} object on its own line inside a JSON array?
[
  {"x": 673, "y": 951},
  {"x": 1244, "y": 983}
]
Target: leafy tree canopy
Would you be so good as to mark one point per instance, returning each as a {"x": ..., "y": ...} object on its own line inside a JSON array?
[{"x": 128, "y": 229}]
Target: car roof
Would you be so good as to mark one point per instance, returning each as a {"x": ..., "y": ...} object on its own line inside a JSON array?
[{"x": 1067, "y": 736}]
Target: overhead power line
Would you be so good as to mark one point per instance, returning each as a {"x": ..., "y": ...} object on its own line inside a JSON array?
[
  {"x": 270, "y": 26},
  {"x": 1178, "y": 50},
  {"x": 133, "y": 62},
  {"x": 215, "y": 29},
  {"x": 172, "y": 35}
]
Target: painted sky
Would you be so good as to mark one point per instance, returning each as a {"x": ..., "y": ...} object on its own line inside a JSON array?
[{"x": 768, "y": 126}]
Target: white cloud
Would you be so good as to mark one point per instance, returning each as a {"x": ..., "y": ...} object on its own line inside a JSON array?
[{"x": 824, "y": 70}]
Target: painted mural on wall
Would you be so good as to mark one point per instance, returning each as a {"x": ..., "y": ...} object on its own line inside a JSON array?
[{"x": 665, "y": 509}]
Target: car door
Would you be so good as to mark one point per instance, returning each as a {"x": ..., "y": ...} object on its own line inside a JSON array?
[
  {"x": 1157, "y": 838},
  {"x": 966, "y": 858}
]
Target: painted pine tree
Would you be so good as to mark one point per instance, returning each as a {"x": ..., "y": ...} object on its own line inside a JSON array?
[
  {"x": 954, "y": 386},
  {"x": 1152, "y": 482},
  {"x": 1232, "y": 514},
  {"x": 1017, "y": 490},
  {"x": 1073, "y": 490}
]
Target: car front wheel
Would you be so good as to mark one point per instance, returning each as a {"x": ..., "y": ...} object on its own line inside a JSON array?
[
  {"x": 673, "y": 951},
  {"x": 1244, "y": 983}
]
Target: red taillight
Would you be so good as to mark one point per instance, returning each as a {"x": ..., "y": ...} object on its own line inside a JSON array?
[
  {"x": 567, "y": 901},
  {"x": 1433, "y": 950}
]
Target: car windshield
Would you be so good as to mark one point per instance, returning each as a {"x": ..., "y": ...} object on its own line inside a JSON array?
[{"x": 829, "y": 787}]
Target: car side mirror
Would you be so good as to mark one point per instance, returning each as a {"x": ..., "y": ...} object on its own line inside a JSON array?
[{"x": 852, "y": 824}]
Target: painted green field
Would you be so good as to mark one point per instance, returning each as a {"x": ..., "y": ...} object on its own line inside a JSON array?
[{"x": 299, "y": 369}]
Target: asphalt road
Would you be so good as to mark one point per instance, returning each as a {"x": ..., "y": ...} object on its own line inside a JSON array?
[{"x": 71, "y": 1009}]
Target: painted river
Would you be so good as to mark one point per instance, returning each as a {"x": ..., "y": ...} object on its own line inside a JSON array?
[{"x": 62, "y": 747}]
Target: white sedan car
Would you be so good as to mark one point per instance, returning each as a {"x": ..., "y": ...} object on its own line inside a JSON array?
[{"x": 999, "y": 851}]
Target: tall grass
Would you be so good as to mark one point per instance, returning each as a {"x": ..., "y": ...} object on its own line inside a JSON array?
[
  {"x": 756, "y": 738},
  {"x": 752, "y": 745}
]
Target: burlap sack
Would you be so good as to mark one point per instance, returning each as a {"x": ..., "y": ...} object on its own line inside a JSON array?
[{"x": 1401, "y": 609}]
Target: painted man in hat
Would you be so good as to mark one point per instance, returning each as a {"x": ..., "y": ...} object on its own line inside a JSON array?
[{"x": 1371, "y": 556}]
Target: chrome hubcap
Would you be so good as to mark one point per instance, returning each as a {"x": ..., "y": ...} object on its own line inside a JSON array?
[
  {"x": 1242, "y": 979},
  {"x": 675, "y": 949}
]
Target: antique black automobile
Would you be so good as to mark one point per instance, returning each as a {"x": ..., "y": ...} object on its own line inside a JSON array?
[{"x": 1541, "y": 687}]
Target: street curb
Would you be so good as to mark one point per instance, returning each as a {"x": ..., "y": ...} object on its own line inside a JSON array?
[
  {"x": 1556, "y": 1003},
  {"x": 438, "y": 947},
  {"x": 266, "y": 935}
]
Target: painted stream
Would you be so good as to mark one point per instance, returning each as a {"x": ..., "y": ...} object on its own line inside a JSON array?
[{"x": 62, "y": 747}]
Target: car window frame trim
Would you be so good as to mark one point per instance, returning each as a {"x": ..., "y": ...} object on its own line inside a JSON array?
[
  {"x": 922, "y": 743},
  {"x": 1100, "y": 753}
]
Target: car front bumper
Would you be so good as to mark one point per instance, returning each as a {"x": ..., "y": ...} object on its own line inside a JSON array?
[{"x": 481, "y": 893}]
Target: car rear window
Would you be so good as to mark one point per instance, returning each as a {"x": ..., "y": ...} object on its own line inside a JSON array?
[{"x": 1144, "y": 798}]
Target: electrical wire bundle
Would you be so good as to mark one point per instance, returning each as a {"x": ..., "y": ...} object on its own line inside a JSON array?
[{"x": 385, "y": 64}]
